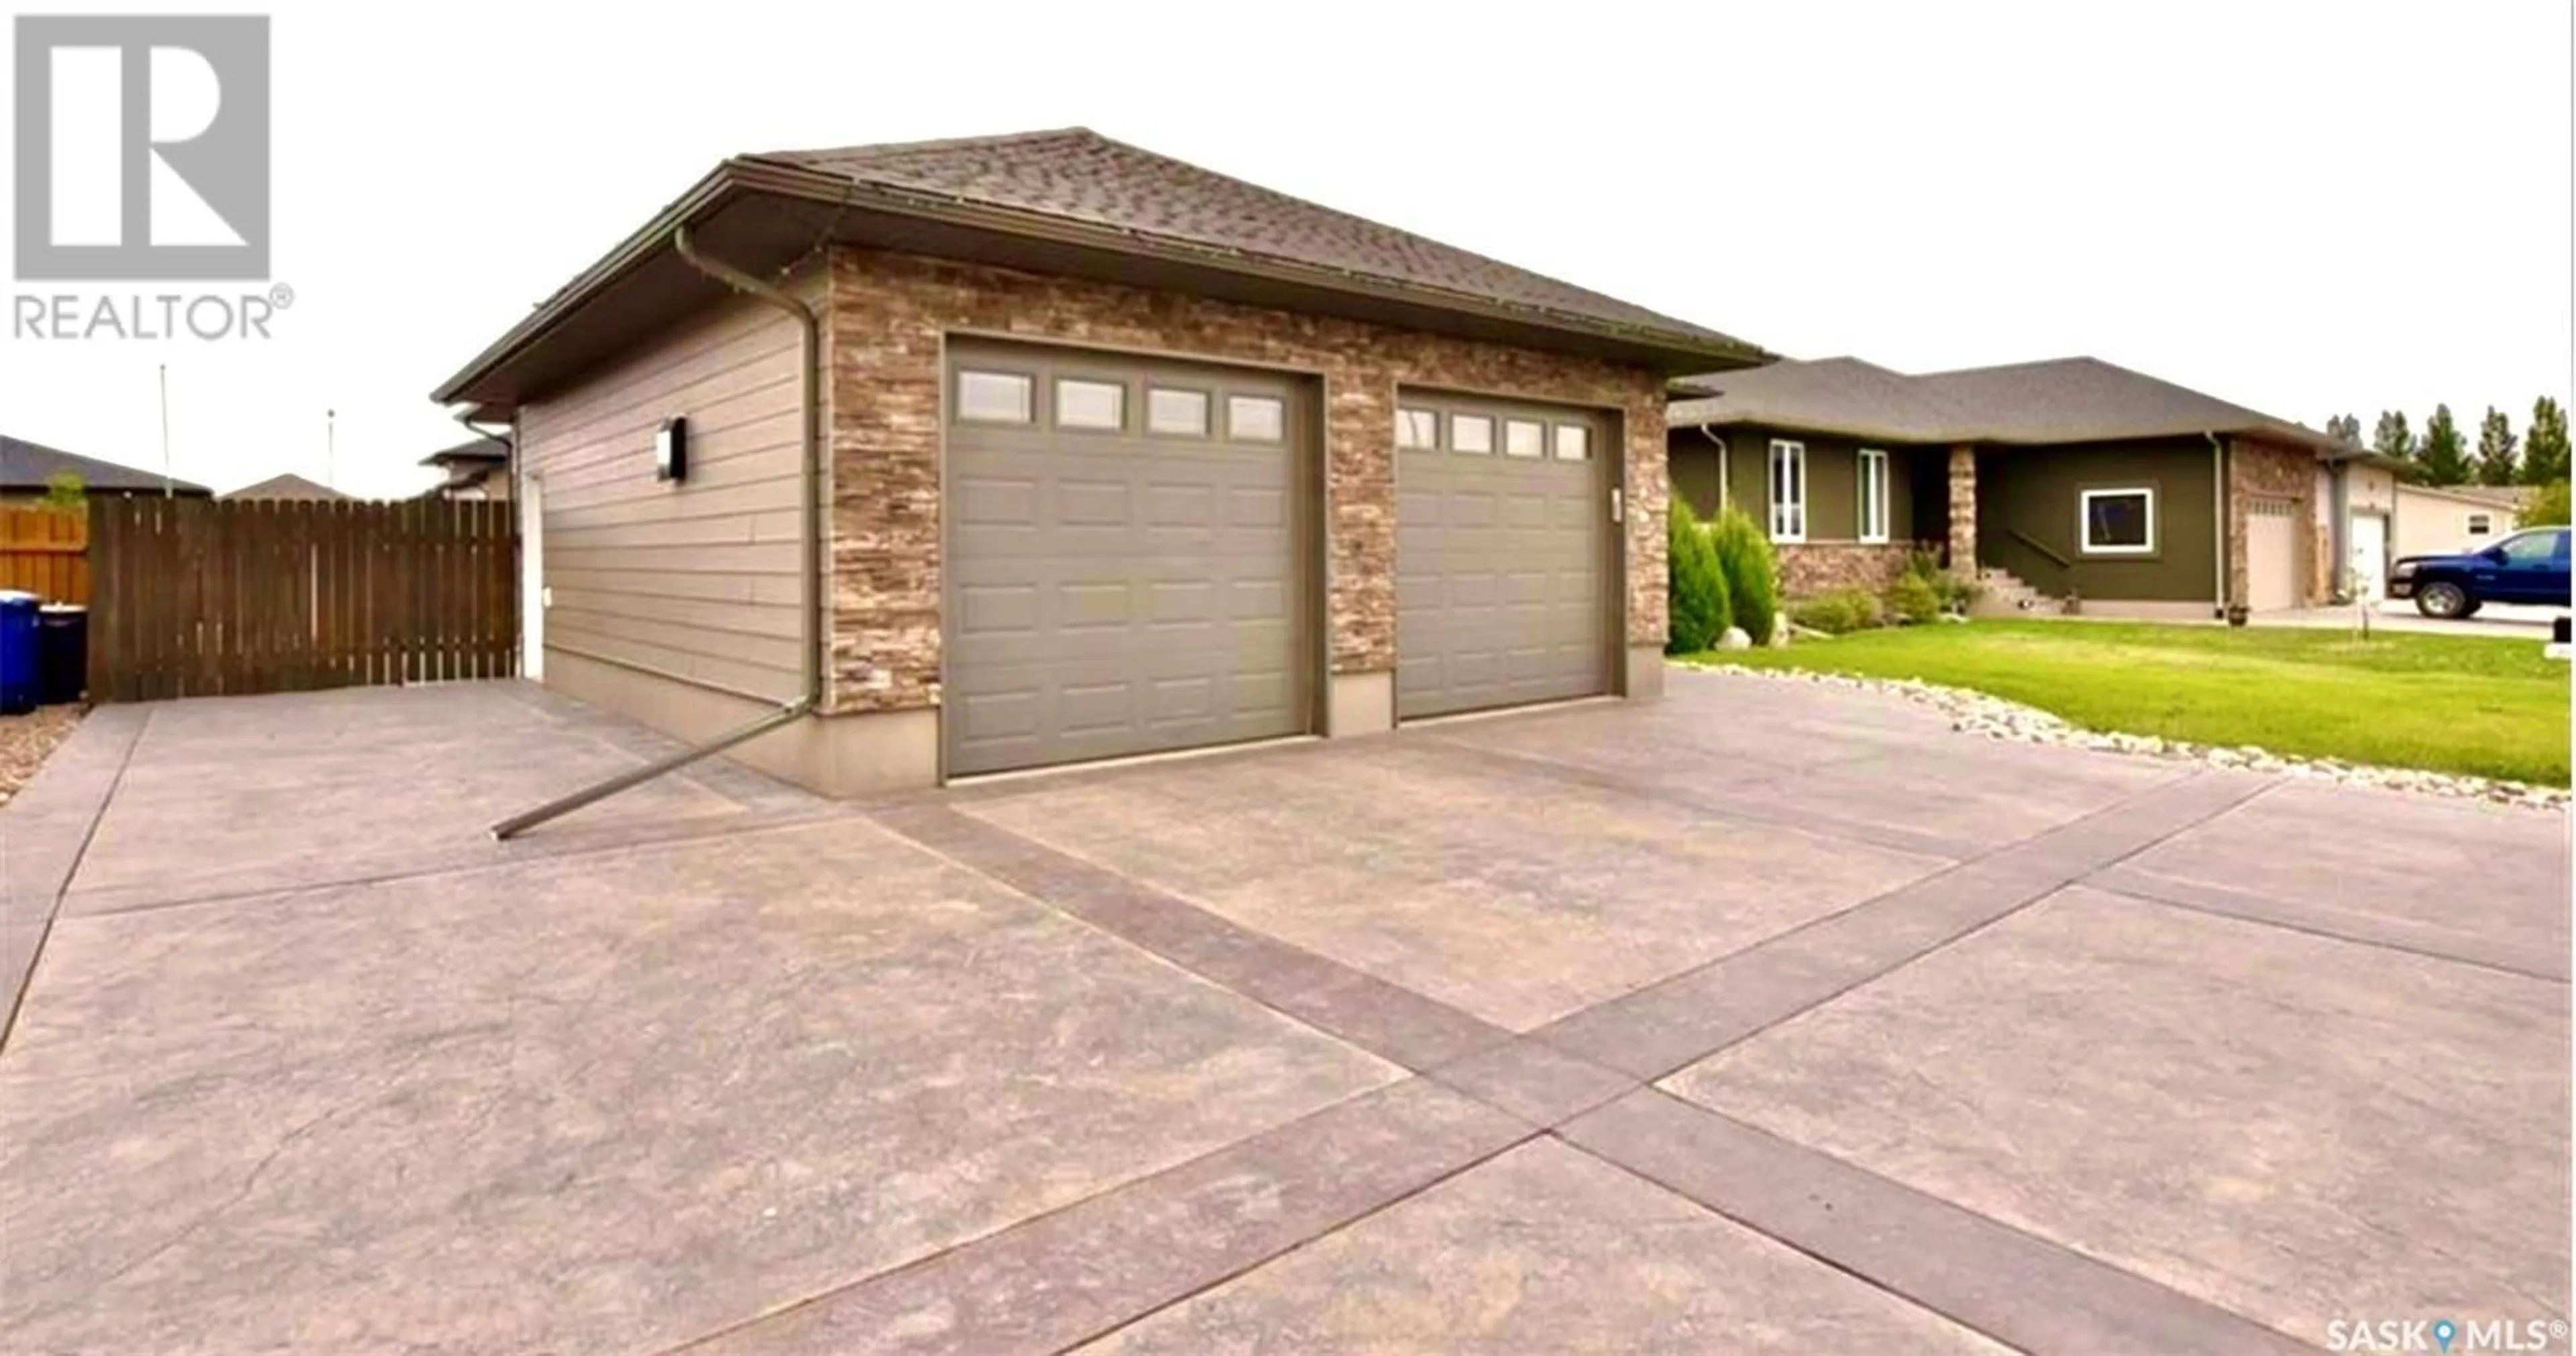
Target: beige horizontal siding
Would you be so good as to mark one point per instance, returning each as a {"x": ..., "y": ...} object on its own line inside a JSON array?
[{"x": 699, "y": 578}]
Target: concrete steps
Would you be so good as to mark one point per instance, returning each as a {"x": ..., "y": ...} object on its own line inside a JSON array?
[{"x": 2008, "y": 595}]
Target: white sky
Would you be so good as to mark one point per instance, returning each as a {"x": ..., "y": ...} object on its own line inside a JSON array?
[{"x": 2303, "y": 207}]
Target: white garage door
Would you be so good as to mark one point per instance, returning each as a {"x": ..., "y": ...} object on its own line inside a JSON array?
[
  {"x": 2370, "y": 554},
  {"x": 1124, "y": 573},
  {"x": 1502, "y": 556},
  {"x": 2271, "y": 553}
]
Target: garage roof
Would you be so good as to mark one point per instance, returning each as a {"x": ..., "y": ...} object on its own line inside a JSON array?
[
  {"x": 2059, "y": 400},
  {"x": 1072, "y": 201}
]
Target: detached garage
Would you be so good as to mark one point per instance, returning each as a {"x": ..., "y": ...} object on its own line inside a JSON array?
[{"x": 902, "y": 463}]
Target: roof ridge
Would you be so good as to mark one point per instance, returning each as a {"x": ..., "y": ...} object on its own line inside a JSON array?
[{"x": 881, "y": 148}]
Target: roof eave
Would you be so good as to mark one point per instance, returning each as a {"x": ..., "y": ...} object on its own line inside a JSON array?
[{"x": 749, "y": 175}]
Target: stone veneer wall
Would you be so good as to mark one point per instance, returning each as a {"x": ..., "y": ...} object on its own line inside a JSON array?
[
  {"x": 1811, "y": 568},
  {"x": 889, "y": 311},
  {"x": 1963, "y": 512},
  {"x": 2275, "y": 472}
]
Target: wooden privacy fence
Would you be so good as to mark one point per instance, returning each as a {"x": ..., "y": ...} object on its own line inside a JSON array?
[
  {"x": 193, "y": 598},
  {"x": 45, "y": 552}
]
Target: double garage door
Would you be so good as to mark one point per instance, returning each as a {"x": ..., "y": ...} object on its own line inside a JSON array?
[{"x": 1132, "y": 556}]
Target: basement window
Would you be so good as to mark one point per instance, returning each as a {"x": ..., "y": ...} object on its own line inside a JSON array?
[
  {"x": 996, "y": 397},
  {"x": 1260, "y": 419},
  {"x": 1090, "y": 404},
  {"x": 1417, "y": 429},
  {"x": 1573, "y": 443},
  {"x": 1471, "y": 433},
  {"x": 2119, "y": 522},
  {"x": 1179, "y": 412}
]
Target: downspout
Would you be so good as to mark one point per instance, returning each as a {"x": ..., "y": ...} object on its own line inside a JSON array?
[
  {"x": 2218, "y": 517},
  {"x": 1725, "y": 491},
  {"x": 809, "y": 592}
]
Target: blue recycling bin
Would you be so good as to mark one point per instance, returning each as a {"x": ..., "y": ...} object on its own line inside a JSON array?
[{"x": 17, "y": 652}]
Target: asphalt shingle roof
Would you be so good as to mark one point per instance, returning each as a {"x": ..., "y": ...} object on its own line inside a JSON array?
[
  {"x": 286, "y": 486},
  {"x": 1078, "y": 174},
  {"x": 2060, "y": 400},
  {"x": 26, "y": 466}
]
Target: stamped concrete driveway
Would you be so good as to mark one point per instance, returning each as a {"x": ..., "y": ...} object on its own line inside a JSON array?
[{"x": 1765, "y": 1018}]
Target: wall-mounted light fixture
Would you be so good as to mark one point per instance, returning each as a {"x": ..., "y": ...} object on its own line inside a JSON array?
[{"x": 671, "y": 449}]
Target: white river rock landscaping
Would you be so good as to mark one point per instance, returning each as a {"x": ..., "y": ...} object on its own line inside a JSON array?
[{"x": 1981, "y": 714}]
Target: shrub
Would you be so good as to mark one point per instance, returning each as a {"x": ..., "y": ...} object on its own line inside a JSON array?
[
  {"x": 1914, "y": 598},
  {"x": 1696, "y": 586},
  {"x": 1752, "y": 574},
  {"x": 1839, "y": 612},
  {"x": 2548, "y": 507}
]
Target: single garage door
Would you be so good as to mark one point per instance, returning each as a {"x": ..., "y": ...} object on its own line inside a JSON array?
[
  {"x": 2271, "y": 552},
  {"x": 1124, "y": 557},
  {"x": 1503, "y": 549}
]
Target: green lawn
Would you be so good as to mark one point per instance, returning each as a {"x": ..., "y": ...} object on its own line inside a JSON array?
[{"x": 2448, "y": 703}]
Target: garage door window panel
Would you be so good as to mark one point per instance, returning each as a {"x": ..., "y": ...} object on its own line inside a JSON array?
[
  {"x": 1255, "y": 419},
  {"x": 1524, "y": 438},
  {"x": 1573, "y": 443},
  {"x": 1085, "y": 405},
  {"x": 1417, "y": 430},
  {"x": 1471, "y": 433},
  {"x": 2118, "y": 520},
  {"x": 1176, "y": 412},
  {"x": 985, "y": 397}
]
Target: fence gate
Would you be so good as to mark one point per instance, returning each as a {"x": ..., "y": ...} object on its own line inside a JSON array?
[{"x": 197, "y": 597}]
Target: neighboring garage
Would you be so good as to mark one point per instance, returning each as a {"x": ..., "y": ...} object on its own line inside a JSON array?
[
  {"x": 2271, "y": 552},
  {"x": 1126, "y": 572},
  {"x": 1108, "y": 455},
  {"x": 1503, "y": 555}
]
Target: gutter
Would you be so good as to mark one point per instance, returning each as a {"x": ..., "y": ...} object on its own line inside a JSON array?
[
  {"x": 809, "y": 590},
  {"x": 2218, "y": 519}
]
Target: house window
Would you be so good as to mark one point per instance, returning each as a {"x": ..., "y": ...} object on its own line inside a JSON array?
[
  {"x": 2480, "y": 525},
  {"x": 1090, "y": 404},
  {"x": 1524, "y": 438},
  {"x": 1260, "y": 419},
  {"x": 1417, "y": 429},
  {"x": 2119, "y": 522},
  {"x": 996, "y": 397},
  {"x": 1873, "y": 495},
  {"x": 1471, "y": 433},
  {"x": 1788, "y": 491},
  {"x": 1573, "y": 443},
  {"x": 1179, "y": 412}
]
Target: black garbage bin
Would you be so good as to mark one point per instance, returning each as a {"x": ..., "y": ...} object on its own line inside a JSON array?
[{"x": 62, "y": 652}]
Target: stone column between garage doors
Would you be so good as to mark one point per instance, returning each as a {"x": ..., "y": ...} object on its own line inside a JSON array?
[{"x": 888, "y": 314}]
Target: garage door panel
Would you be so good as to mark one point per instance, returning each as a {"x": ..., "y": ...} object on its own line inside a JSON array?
[
  {"x": 1114, "y": 593},
  {"x": 1502, "y": 570}
]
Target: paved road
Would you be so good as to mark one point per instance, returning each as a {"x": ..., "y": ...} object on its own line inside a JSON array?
[{"x": 1766, "y": 1018}]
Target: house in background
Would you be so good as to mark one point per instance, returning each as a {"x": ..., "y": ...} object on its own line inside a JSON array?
[
  {"x": 1122, "y": 455},
  {"x": 287, "y": 486},
  {"x": 2442, "y": 519},
  {"x": 26, "y": 470},
  {"x": 475, "y": 470},
  {"x": 2067, "y": 477}
]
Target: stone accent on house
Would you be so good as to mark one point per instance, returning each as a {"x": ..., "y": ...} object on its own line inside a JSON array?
[
  {"x": 2273, "y": 471},
  {"x": 1963, "y": 512},
  {"x": 888, "y": 313},
  {"x": 1810, "y": 568}
]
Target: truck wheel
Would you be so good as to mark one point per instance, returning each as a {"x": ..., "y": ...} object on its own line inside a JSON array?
[{"x": 2442, "y": 600}]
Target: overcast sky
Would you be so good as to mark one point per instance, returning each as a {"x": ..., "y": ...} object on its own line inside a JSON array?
[{"x": 2303, "y": 207}]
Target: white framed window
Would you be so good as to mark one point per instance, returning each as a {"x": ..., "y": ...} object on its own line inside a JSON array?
[
  {"x": 1873, "y": 495},
  {"x": 1788, "y": 490},
  {"x": 2480, "y": 524},
  {"x": 1573, "y": 443},
  {"x": 1524, "y": 438},
  {"x": 996, "y": 397},
  {"x": 2120, "y": 521},
  {"x": 1090, "y": 404},
  {"x": 1471, "y": 433},
  {"x": 1175, "y": 410},
  {"x": 1417, "y": 429},
  {"x": 1259, "y": 419}
]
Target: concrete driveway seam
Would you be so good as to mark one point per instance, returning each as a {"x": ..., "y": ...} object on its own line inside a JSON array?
[
  {"x": 2148, "y": 887},
  {"x": 43, "y": 843}
]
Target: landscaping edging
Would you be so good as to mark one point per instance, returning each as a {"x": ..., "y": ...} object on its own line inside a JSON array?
[{"x": 1973, "y": 712}]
